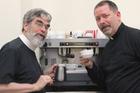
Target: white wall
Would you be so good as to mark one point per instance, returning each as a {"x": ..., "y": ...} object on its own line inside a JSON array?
[
  {"x": 68, "y": 15},
  {"x": 9, "y": 20},
  {"x": 25, "y": 6},
  {"x": 130, "y": 12},
  {"x": 78, "y": 14}
]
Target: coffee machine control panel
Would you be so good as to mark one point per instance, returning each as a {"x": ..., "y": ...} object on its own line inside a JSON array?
[
  {"x": 82, "y": 42},
  {"x": 79, "y": 43}
]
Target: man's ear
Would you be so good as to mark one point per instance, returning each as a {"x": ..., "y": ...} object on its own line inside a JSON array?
[
  {"x": 118, "y": 14},
  {"x": 25, "y": 26}
]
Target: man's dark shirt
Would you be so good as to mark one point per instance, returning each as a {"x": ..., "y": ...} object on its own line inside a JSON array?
[
  {"x": 18, "y": 64},
  {"x": 118, "y": 68}
]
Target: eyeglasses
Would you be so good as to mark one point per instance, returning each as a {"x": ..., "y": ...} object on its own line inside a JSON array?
[{"x": 41, "y": 24}]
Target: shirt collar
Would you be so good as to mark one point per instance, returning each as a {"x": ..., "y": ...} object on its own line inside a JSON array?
[
  {"x": 25, "y": 40},
  {"x": 118, "y": 32}
]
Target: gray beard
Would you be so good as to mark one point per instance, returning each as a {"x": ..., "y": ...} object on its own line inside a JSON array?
[{"x": 35, "y": 39}]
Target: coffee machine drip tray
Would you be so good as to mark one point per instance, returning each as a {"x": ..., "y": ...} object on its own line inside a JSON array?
[
  {"x": 75, "y": 80},
  {"x": 73, "y": 86}
]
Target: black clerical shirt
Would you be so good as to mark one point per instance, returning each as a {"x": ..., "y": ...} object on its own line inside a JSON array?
[{"x": 118, "y": 68}]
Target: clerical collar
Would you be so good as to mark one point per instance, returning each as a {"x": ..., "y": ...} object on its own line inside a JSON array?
[
  {"x": 27, "y": 42},
  {"x": 117, "y": 33},
  {"x": 111, "y": 38}
]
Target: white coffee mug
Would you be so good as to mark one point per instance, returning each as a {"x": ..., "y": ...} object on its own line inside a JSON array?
[{"x": 86, "y": 53}]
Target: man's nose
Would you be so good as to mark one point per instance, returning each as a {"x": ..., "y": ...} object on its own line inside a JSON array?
[
  {"x": 102, "y": 20},
  {"x": 43, "y": 29}
]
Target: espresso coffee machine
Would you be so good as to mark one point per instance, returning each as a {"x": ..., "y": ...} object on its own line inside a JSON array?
[{"x": 71, "y": 75}]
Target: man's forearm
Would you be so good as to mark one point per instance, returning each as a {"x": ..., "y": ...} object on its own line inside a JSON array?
[{"x": 17, "y": 88}]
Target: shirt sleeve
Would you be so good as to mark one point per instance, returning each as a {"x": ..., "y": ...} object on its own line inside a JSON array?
[
  {"x": 96, "y": 76},
  {"x": 137, "y": 46},
  {"x": 135, "y": 43},
  {"x": 7, "y": 64}
]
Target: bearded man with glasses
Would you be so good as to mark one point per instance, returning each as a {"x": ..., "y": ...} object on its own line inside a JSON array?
[{"x": 19, "y": 68}]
